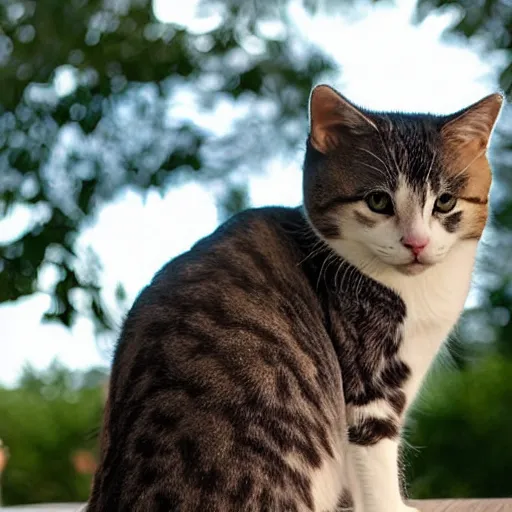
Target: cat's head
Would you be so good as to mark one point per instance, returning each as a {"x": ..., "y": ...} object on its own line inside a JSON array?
[{"x": 398, "y": 189}]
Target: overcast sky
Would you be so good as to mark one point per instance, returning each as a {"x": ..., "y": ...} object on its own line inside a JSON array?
[{"x": 387, "y": 63}]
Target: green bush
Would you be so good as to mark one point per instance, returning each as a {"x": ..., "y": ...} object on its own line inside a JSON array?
[
  {"x": 461, "y": 433},
  {"x": 50, "y": 418}
]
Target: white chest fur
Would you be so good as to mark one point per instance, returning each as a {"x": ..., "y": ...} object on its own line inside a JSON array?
[{"x": 434, "y": 301}]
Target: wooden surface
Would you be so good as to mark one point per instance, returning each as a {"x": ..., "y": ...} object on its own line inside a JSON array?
[
  {"x": 497, "y": 505},
  {"x": 504, "y": 505}
]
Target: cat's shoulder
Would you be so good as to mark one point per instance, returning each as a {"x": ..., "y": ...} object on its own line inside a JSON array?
[
  {"x": 254, "y": 219},
  {"x": 268, "y": 231}
]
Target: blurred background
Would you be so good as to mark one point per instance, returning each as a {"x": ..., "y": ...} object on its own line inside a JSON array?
[{"x": 129, "y": 129}]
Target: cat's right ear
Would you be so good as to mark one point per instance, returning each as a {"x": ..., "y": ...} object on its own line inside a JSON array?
[{"x": 330, "y": 115}]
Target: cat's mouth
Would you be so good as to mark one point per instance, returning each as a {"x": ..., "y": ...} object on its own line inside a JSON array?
[{"x": 414, "y": 268}]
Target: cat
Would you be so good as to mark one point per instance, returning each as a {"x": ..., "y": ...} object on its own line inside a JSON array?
[{"x": 269, "y": 368}]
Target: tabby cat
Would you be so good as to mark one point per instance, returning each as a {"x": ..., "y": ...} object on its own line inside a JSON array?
[{"x": 270, "y": 367}]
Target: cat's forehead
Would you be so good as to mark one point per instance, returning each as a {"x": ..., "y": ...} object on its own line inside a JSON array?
[{"x": 412, "y": 146}]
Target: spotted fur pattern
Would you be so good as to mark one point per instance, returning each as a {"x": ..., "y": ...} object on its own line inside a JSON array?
[{"x": 269, "y": 368}]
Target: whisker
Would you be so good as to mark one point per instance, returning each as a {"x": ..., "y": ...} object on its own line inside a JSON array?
[
  {"x": 410, "y": 446},
  {"x": 373, "y": 167},
  {"x": 431, "y": 166},
  {"x": 322, "y": 268},
  {"x": 318, "y": 247},
  {"x": 394, "y": 160},
  {"x": 335, "y": 257},
  {"x": 349, "y": 277},
  {"x": 348, "y": 267},
  {"x": 386, "y": 168},
  {"x": 389, "y": 153},
  {"x": 467, "y": 166},
  {"x": 342, "y": 262}
]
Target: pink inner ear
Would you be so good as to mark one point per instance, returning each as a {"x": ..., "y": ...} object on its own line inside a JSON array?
[
  {"x": 474, "y": 123},
  {"x": 324, "y": 116},
  {"x": 328, "y": 111}
]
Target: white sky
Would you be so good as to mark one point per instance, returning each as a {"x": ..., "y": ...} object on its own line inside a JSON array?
[{"x": 386, "y": 63}]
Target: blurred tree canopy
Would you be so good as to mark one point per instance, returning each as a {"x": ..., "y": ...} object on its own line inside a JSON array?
[
  {"x": 49, "y": 424},
  {"x": 94, "y": 94},
  {"x": 92, "y": 102},
  {"x": 96, "y": 104},
  {"x": 458, "y": 441}
]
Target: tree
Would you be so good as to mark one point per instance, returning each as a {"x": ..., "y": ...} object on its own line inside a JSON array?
[
  {"x": 458, "y": 437},
  {"x": 89, "y": 90},
  {"x": 49, "y": 424}
]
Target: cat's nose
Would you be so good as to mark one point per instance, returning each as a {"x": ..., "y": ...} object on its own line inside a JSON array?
[{"x": 415, "y": 244}]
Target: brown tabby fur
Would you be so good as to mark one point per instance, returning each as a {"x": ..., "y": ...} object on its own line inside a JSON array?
[{"x": 238, "y": 367}]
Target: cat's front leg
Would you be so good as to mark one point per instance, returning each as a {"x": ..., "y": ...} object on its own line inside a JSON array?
[{"x": 373, "y": 454}]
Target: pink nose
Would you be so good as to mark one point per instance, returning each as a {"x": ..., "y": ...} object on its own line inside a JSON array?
[{"x": 415, "y": 243}]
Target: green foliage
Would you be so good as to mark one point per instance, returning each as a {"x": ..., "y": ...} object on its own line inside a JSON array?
[
  {"x": 88, "y": 92},
  {"x": 458, "y": 434},
  {"x": 45, "y": 421},
  {"x": 461, "y": 431},
  {"x": 88, "y": 108}
]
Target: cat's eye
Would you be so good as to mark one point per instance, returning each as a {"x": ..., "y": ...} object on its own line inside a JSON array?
[
  {"x": 380, "y": 202},
  {"x": 445, "y": 203}
]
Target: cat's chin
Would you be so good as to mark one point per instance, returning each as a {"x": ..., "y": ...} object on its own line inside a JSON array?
[{"x": 413, "y": 269}]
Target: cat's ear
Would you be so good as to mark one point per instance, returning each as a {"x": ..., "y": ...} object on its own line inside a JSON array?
[
  {"x": 473, "y": 125},
  {"x": 330, "y": 114}
]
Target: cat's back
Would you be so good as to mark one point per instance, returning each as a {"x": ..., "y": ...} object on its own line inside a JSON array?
[
  {"x": 259, "y": 245},
  {"x": 218, "y": 391},
  {"x": 237, "y": 271}
]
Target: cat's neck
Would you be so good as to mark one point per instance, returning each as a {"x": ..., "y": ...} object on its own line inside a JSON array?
[
  {"x": 446, "y": 283},
  {"x": 433, "y": 303}
]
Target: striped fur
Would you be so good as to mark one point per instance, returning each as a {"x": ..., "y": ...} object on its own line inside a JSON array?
[{"x": 269, "y": 368}]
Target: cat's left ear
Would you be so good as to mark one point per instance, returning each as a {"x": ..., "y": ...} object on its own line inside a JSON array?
[
  {"x": 473, "y": 124},
  {"x": 331, "y": 116}
]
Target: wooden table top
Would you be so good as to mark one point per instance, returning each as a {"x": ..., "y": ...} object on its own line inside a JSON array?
[{"x": 491, "y": 505}]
